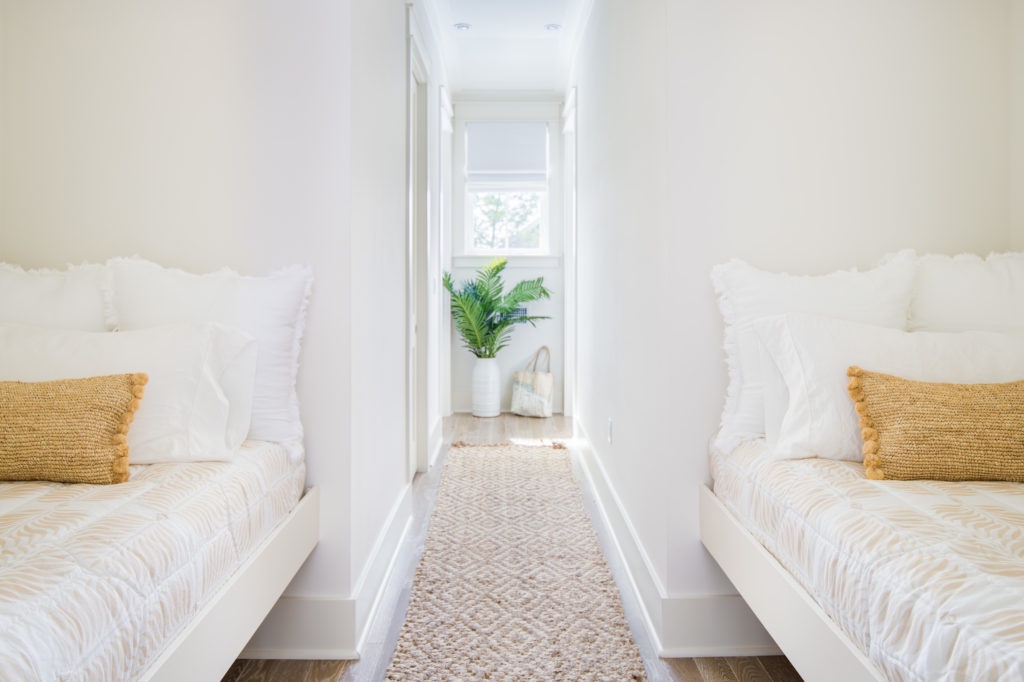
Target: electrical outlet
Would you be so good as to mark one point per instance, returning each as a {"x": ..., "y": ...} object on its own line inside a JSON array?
[{"x": 609, "y": 430}]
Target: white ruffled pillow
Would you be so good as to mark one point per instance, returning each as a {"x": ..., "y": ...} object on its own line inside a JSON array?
[
  {"x": 57, "y": 299},
  {"x": 968, "y": 292},
  {"x": 880, "y": 296},
  {"x": 271, "y": 308},
  {"x": 812, "y": 354},
  {"x": 198, "y": 399}
]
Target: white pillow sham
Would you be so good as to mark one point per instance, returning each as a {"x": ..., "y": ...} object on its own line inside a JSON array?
[
  {"x": 198, "y": 399},
  {"x": 879, "y": 296},
  {"x": 812, "y": 354},
  {"x": 272, "y": 309},
  {"x": 57, "y": 299},
  {"x": 968, "y": 292}
]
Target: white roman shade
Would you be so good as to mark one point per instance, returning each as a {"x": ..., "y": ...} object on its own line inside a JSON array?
[{"x": 507, "y": 151}]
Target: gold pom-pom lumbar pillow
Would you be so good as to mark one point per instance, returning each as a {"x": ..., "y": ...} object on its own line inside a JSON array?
[
  {"x": 69, "y": 430},
  {"x": 939, "y": 431}
]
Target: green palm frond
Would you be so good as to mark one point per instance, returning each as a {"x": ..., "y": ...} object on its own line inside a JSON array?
[{"x": 484, "y": 316}]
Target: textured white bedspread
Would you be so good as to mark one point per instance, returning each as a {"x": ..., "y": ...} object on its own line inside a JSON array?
[
  {"x": 926, "y": 577},
  {"x": 96, "y": 580}
]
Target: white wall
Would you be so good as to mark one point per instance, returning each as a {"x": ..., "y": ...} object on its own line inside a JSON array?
[
  {"x": 379, "y": 475},
  {"x": 252, "y": 134},
  {"x": 799, "y": 136},
  {"x": 1016, "y": 122}
]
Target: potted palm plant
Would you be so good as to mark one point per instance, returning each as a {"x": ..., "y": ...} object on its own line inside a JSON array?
[{"x": 484, "y": 317}]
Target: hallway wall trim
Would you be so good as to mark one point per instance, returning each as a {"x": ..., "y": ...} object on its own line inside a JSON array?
[{"x": 679, "y": 625}]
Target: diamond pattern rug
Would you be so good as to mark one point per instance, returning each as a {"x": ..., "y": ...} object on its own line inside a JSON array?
[{"x": 512, "y": 584}]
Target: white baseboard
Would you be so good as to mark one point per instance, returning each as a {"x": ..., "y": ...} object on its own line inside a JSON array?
[
  {"x": 306, "y": 628},
  {"x": 678, "y": 625},
  {"x": 712, "y": 625},
  {"x": 435, "y": 442},
  {"x": 334, "y": 628},
  {"x": 372, "y": 584}
]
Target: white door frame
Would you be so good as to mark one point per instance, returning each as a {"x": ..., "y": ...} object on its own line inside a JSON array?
[
  {"x": 569, "y": 250},
  {"x": 415, "y": 257}
]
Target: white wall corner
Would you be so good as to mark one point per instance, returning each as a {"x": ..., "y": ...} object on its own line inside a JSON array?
[
  {"x": 1017, "y": 126},
  {"x": 712, "y": 625},
  {"x": 678, "y": 625},
  {"x": 306, "y": 628},
  {"x": 370, "y": 589},
  {"x": 434, "y": 442},
  {"x": 335, "y": 628}
]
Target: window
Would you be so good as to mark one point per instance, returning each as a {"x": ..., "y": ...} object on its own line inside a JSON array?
[
  {"x": 506, "y": 188},
  {"x": 507, "y": 197}
]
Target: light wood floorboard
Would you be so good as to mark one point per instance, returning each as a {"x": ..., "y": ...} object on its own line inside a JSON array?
[
  {"x": 464, "y": 428},
  {"x": 750, "y": 669},
  {"x": 507, "y": 428}
]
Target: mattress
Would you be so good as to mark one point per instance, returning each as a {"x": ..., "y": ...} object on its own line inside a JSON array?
[
  {"x": 96, "y": 580},
  {"x": 926, "y": 577}
]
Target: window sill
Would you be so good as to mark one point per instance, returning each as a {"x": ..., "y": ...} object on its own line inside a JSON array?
[{"x": 513, "y": 261}]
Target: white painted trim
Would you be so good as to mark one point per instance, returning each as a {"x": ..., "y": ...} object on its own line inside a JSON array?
[
  {"x": 236, "y": 610},
  {"x": 379, "y": 569},
  {"x": 336, "y": 627},
  {"x": 506, "y": 96},
  {"x": 641, "y": 576},
  {"x": 300, "y": 654},
  {"x": 678, "y": 625},
  {"x": 815, "y": 645},
  {"x": 712, "y": 625},
  {"x": 436, "y": 442},
  {"x": 569, "y": 232},
  {"x": 581, "y": 23},
  {"x": 307, "y": 628},
  {"x": 513, "y": 261}
]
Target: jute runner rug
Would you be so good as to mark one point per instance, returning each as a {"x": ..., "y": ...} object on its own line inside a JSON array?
[{"x": 512, "y": 584}]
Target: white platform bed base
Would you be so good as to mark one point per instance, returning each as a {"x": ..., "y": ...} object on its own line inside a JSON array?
[
  {"x": 815, "y": 645},
  {"x": 209, "y": 645}
]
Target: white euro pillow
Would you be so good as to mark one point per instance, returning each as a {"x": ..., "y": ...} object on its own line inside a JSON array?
[
  {"x": 271, "y": 308},
  {"x": 968, "y": 292},
  {"x": 880, "y": 296},
  {"x": 72, "y": 298},
  {"x": 197, "y": 401},
  {"x": 812, "y": 354}
]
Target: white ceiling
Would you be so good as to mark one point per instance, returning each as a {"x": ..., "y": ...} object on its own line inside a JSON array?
[{"x": 508, "y": 46}]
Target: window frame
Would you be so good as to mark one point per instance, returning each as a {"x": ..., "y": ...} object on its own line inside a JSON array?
[
  {"x": 542, "y": 249},
  {"x": 545, "y": 110}
]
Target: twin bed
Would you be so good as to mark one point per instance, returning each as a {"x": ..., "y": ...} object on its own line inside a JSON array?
[
  {"x": 152, "y": 554},
  {"x": 832, "y": 518}
]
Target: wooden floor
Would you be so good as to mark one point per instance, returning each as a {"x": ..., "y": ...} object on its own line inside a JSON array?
[
  {"x": 762, "y": 669},
  {"x": 285, "y": 671},
  {"x": 471, "y": 430}
]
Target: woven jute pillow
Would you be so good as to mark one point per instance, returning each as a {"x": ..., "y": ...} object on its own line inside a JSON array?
[
  {"x": 68, "y": 431},
  {"x": 939, "y": 431}
]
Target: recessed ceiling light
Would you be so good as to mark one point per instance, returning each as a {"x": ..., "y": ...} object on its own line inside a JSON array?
[
  {"x": 554, "y": 27},
  {"x": 462, "y": 26}
]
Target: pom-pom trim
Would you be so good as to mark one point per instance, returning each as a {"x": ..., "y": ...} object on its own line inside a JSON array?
[{"x": 872, "y": 461}]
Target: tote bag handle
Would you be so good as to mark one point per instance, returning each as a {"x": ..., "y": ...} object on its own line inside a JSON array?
[{"x": 531, "y": 366}]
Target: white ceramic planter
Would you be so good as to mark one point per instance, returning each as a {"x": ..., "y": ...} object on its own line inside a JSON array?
[{"x": 486, "y": 388}]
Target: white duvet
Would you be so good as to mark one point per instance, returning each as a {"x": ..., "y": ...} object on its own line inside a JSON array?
[
  {"x": 926, "y": 577},
  {"x": 96, "y": 580}
]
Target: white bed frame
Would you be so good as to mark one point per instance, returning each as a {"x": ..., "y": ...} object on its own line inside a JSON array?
[
  {"x": 211, "y": 642},
  {"x": 815, "y": 645}
]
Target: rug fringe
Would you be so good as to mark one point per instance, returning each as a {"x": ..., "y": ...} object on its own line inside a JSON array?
[{"x": 534, "y": 443}]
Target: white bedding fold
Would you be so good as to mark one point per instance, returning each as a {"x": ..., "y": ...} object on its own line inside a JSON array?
[
  {"x": 926, "y": 577},
  {"x": 96, "y": 580}
]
